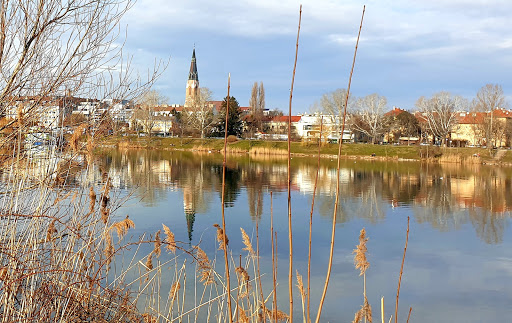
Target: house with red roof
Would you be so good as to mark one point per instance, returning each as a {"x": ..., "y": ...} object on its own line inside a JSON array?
[{"x": 474, "y": 128}]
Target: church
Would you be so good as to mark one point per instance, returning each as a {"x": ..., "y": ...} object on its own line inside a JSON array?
[{"x": 192, "y": 90}]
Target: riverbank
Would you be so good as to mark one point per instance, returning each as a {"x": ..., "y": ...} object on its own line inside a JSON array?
[{"x": 471, "y": 155}]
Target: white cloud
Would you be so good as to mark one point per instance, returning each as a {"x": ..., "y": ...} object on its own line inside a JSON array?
[{"x": 426, "y": 33}]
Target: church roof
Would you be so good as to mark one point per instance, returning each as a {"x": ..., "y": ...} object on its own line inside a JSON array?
[{"x": 192, "y": 75}]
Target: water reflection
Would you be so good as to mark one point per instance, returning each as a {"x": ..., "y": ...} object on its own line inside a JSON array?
[{"x": 443, "y": 196}]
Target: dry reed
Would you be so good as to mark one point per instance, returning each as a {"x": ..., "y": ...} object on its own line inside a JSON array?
[
  {"x": 247, "y": 242},
  {"x": 224, "y": 238},
  {"x": 401, "y": 271},
  {"x": 169, "y": 240},
  {"x": 267, "y": 151},
  {"x": 290, "y": 234},
  {"x": 336, "y": 200},
  {"x": 360, "y": 259},
  {"x": 221, "y": 237}
]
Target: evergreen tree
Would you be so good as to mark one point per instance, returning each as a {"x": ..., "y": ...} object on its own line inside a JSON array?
[{"x": 234, "y": 118}]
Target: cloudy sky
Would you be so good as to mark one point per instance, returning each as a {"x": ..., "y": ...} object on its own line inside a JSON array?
[{"x": 408, "y": 48}]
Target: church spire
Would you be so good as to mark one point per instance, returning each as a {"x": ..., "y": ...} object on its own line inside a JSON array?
[
  {"x": 193, "y": 82},
  {"x": 192, "y": 75}
]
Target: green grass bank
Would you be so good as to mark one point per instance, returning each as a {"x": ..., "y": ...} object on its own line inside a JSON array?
[{"x": 349, "y": 150}]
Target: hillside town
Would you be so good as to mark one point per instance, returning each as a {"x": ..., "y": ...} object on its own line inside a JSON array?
[{"x": 444, "y": 119}]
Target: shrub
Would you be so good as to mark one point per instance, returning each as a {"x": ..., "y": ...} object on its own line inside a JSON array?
[{"x": 232, "y": 139}]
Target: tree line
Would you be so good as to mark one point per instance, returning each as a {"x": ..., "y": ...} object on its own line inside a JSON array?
[{"x": 435, "y": 117}]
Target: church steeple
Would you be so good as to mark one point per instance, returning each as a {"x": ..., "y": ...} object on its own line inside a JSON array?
[
  {"x": 193, "y": 82},
  {"x": 192, "y": 75}
]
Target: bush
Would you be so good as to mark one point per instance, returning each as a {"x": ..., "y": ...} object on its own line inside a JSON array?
[
  {"x": 232, "y": 139},
  {"x": 430, "y": 152}
]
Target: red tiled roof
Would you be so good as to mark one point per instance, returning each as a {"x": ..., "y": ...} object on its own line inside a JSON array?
[
  {"x": 470, "y": 117},
  {"x": 502, "y": 113},
  {"x": 285, "y": 119},
  {"x": 478, "y": 117},
  {"x": 394, "y": 112}
]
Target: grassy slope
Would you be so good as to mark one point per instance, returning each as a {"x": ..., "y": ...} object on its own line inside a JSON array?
[{"x": 389, "y": 151}]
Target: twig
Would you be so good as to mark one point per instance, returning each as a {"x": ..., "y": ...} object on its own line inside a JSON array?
[
  {"x": 329, "y": 267},
  {"x": 290, "y": 236},
  {"x": 401, "y": 271},
  {"x": 409, "y": 316}
]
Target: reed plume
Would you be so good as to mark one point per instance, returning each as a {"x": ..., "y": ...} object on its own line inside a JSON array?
[
  {"x": 204, "y": 267},
  {"x": 148, "y": 318},
  {"x": 300, "y": 286},
  {"x": 242, "y": 316},
  {"x": 276, "y": 314},
  {"x": 360, "y": 259},
  {"x": 247, "y": 242},
  {"x": 245, "y": 279},
  {"x": 158, "y": 244},
  {"x": 222, "y": 238},
  {"x": 149, "y": 261},
  {"x": 174, "y": 291},
  {"x": 51, "y": 230},
  {"x": 364, "y": 313},
  {"x": 123, "y": 226},
  {"x": 3, "y": 273},
  {"x": 109, "y": 248},
  {"x": 169, "y": 240},
  {"x": 361, "y": 263}
]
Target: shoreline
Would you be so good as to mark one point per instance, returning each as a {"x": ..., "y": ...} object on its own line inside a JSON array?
[{"x": 355, "y": 151}]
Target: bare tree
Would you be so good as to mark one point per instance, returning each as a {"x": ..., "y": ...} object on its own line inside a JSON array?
[
  {"x": 489, "y": 99},
  {"x": 331, "y": 106},
  {"x": 261, "y": 98},
  {"x": 48, "y": 48},
  {"x": 439, "y": 114},
  {"x": 253, "y": 101},
  {"x": 257, "y": 104},
  {"x": 199, "y": 116},
  {"x": 368, "y": 116},
  {"x": 145, "y": 112}
]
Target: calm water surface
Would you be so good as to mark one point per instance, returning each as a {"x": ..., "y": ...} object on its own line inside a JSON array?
[{"x": 458, "y": 266}]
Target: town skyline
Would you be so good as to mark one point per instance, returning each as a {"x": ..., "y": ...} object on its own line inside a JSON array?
[{"x": 407, "y": 50}]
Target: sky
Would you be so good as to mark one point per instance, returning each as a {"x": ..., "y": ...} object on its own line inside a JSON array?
[{"x": 408, "y": 48}]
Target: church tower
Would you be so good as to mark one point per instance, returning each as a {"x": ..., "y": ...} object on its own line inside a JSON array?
[{"x": 193, "y": 82}]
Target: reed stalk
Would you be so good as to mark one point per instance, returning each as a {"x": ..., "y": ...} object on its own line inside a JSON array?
[
  {"x": 311, "y": 223},
  {"x": 226, "y": 261},
  {"x": 290, "y": 235},
  {"x": 274, "y": 264},
  {"x": 333, "y": 233},
  {"x": 258, "y": 266},
  {"x": 401, "y": 271},
  {"x": 382, "y": 309}
]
